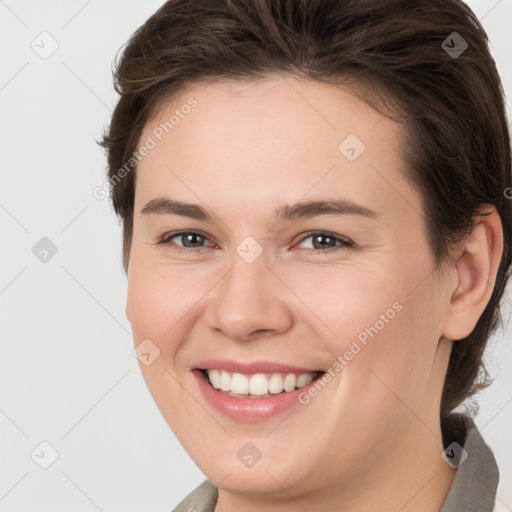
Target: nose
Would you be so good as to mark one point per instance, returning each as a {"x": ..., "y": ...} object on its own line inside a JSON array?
[{"x": 250, "y": 302}]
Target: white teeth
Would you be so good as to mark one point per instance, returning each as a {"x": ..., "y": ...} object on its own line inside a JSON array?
[
  {"x": 304, "y": 379},
  {"x": 259, "y": 384},
  {"x": 239, "y": 384},
  {"x": 275, "y": 384},
  {"x": 289, "y": 382},
  {"x": 225, "y": 381},
  {"x": 215, "y": 378}
]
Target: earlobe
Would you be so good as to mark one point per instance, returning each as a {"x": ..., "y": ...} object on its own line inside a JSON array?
[{"x": 476, "y": 271}]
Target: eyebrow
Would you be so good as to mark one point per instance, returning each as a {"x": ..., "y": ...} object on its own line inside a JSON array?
[{"x": 305, "y": 209}]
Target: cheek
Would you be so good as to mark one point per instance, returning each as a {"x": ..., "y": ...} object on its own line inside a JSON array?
[
  {"x": 158, "y": 305},
  {"x": 356, "y": 304},
  {"x": 160, "y": 308},
  {"x": 393, "y": 368},
  {"x": 385, "y": 326}
]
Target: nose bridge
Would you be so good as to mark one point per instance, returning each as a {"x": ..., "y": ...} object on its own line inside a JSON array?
[{"x": 249, "y": 297}]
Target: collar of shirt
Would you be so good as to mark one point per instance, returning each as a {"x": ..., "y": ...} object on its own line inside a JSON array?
[{"x": 476, "y": 480}]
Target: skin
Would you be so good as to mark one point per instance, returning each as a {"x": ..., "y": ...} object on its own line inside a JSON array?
[{"x": 371, "y": 439}]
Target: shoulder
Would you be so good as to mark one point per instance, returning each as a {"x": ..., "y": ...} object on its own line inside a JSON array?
[{"x": 202, "y": 499}]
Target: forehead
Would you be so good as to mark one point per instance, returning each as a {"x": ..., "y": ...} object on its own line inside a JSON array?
[{"x": 274, "y": 140}]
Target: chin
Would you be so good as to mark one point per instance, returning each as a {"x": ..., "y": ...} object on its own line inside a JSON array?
[{"x": 262, "y": 480}]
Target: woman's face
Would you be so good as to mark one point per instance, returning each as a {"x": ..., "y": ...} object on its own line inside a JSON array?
[{"x": 342, "y": 291}]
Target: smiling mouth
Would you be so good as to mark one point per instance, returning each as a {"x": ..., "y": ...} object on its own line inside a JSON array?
[{"x": 258, "y": 385}]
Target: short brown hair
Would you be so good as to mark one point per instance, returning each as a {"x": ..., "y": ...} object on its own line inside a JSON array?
[{"x": 457, "y": 144}]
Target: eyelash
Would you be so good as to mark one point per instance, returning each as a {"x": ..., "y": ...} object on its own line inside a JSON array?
[{"x": 166, "y": 241}]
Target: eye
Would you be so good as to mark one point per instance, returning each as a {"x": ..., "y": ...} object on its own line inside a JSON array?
[
  {"x": 187, "y": 237},
  {"x": 322, "y": 241},
  {"x": 325, "y": 240}
]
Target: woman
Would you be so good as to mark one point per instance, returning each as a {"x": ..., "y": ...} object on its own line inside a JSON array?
[{"x": 317, "y": 238}]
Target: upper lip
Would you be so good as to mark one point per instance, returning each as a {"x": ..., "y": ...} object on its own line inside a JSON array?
[{"x": 250, "y": 368}]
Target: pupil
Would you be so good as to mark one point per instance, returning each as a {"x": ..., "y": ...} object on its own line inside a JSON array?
[
  {"x": 318, "y": 237},
  {"x": 188, "y": 237}
]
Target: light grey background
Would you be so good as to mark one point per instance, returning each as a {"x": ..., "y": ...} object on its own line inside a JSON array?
[{"x": 67, "y": 372}]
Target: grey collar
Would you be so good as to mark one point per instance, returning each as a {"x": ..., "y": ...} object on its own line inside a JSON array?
[{"x": 476, "y": 480}]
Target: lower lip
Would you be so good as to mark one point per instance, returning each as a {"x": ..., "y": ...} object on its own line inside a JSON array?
[{"x": 249, "y": 409}]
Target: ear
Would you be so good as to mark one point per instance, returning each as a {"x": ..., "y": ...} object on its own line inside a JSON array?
[{"x": 476, "y": 271}]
